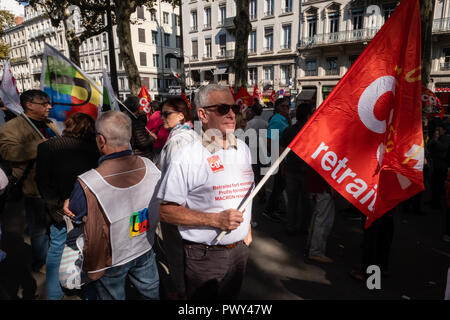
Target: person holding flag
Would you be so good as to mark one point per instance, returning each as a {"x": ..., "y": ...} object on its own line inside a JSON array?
[{"x": 18, "y": 145}]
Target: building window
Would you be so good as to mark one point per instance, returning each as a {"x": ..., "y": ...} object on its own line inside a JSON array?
[
  {"x": 105, "y": 59},
  {"x": 177, "y": 20},
  {"x": 222, "y": 14},
  {"x": 253, "y": 10},
  {"x": 143, "y": 59},
  {"x": 285, "y": 75},
  {"x": 145, "y": 81},
  {"x": 207, "y": 18},
  {"x": 268, "y": 8},
  {"x": 194, "y": 49},
  {"x": 120, "y": 61},
  {"x": 156, "y": 60},
  {"x": 178, "y": 40},
  {"x": 167, "y": 64},
  {"x": 352, "y": 59},
  {"x": 357, "y": 18},
  {"x": 331, "y": 66},
  {"x": 155, "y": 37},
  {"x": 310, "y": 67},
  {"x": 388, "y": 9},
  {"x": 252, "y": 76},
  {"x": 268, "y": 39},
  {"x": 165, "y": 17},
  {"x": 105, "y": 41},
  {"x": 252, "y": 42},
  {"x": 333, "y": 18},
  {"x": 446, "y": 64},
  {"x": 268, "y": 75},
  {"x": 153, "y": 16},
  {"x": 286, "y": 37},
  {"x": 141, "y": 35},
  {"x": 222, "y": 45},
  {"x": 167, "y": 39},
  {"x": 286, "y": 6},
  {"x": 194, "y": 25},
  {"x": 140, "y": 12},
  {"x": 122, "y": 83},
  {"x": 208, "y": 49},
  {"x": 312, "y": 26}
]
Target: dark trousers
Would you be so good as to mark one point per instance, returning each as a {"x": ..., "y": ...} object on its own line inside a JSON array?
[
  {"x": 377, "y": 241},
  {"x": 214, "y": 273},
  {"x": 278, "y": 187}
]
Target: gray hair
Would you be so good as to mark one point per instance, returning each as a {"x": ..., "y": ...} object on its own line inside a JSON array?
[
  {"x": 202, "y": 96},
  {"x": 116, "y": 127}
]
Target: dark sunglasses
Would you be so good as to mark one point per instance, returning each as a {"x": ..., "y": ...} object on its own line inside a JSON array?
[
  {"x": 223, "y": 109},
  {"x": 165, "y": 114}
]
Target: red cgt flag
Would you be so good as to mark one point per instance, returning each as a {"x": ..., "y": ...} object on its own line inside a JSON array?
[
  {"x": 366, "y": 138},
  {"x": 144, "y": 100},
  {"x": 244, "y": 99}
]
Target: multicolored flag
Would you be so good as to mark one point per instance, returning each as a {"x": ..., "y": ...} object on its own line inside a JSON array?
[
  {"x": 109, "y": 98},
  {"x": 69, "y": 88},
  {"x": 366, "y": 138},
  {"x": 144, "y": 101},
  {"x": 9, "y": 93}
]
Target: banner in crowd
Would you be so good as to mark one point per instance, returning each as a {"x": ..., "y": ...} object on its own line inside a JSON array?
[
  {"x": 109, "y": 98},
  {"x": 366, "y": 138},
  {"x": 431, "y": 105},
  {"x": 8, "y": 90},
  {"x": 243, "y": 99},
  {"x": 144, "y": 100},
  {"x": 69, "y": 88},
  {"x": 273, "y": 96}
]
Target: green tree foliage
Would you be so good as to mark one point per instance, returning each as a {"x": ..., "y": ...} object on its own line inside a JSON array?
[{"x": 6, "y": 20}]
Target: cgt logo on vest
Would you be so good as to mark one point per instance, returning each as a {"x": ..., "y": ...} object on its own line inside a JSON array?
[{"x": 138, "y": 223}]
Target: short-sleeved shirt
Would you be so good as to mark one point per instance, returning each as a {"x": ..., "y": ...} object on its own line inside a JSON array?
[
  {"x": 277, "y": 122},
  {"x": 209, "y": 182}
]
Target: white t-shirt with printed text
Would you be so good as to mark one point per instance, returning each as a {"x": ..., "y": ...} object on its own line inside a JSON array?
[{"x": 210, "y": 183}]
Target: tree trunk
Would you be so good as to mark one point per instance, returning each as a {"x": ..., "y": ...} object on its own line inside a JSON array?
[
  {"x": 426, "y": 15},
  {"x": 123, "y": 15},
  {"x": 242, "y": 31}
]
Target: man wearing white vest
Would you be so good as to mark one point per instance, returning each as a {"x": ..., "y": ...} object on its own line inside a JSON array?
[
  {"x": 118, "y": 207},
  {"x": 200, "y": 192}
]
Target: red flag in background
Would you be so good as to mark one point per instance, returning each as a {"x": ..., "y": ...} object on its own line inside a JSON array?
[
  {"x": 366, "y": 138},
  {"x": 431, "y": 105},
  {"x": 257, "y": 93},
  {"x": 244, "y": 99},
  {"x": 232, "y": 90},
  {"x": 144, "y": 100},
  {"x": 183, "y": 96},
  {"x": 274, "y": 96}
]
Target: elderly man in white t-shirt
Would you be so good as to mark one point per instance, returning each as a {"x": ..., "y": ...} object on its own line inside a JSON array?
[{"x": 204, "y": 184}]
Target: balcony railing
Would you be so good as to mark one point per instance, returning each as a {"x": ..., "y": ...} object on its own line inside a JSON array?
[
  {"x": 286, "y": 10},
  {"x": 339, "y": 37},
  {"x": 440, "y": 25},
  {"x": 268, "y": 49},
  {"x": 268, "y": 13},
  {"x": 285, "y": 46},
  {"x": 331, "y": 72},
  {"x": 445, "y": 66},
  {"x": 225, "y": 54},
  {"x": 311, "y": 73},
  {"x": 207, "y": 57}
]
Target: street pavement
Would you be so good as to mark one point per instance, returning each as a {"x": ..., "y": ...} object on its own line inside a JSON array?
[{"x": 278, "y": 270}]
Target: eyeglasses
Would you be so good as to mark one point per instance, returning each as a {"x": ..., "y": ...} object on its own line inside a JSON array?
[
  {"x": 43, "y": 104},
  {"x": 165, "y": 114},
  {"x": 223, "y": 109}
]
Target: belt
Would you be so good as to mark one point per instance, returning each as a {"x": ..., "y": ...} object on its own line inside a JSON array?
[{"x": 217, "y": 246}]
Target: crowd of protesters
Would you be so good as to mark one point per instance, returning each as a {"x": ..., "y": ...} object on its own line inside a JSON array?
[{"x": 131, "y": 192}]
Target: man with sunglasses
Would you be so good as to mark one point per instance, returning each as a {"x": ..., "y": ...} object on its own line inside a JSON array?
[
  {"x": 18, "y": 145},
  {"x": 200, "y": 193}
]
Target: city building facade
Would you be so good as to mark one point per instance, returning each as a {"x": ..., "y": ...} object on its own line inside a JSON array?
[{"x": 156, "y": 38}]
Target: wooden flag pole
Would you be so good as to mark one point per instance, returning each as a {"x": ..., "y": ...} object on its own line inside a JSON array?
[{"x": 258, "y": 187}]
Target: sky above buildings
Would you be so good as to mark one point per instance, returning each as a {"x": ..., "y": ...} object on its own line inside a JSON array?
[{"x": 13, "y": 6}]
